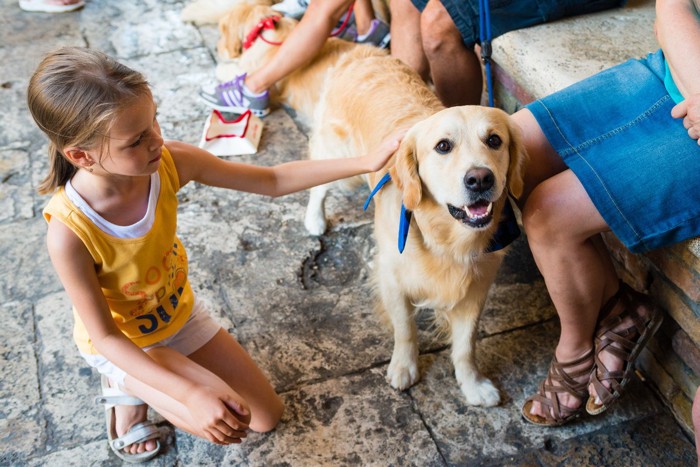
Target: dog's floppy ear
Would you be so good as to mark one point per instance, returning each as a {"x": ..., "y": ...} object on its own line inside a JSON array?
[
  {"x": 405, "y": 172},
  {"x": 518, "y": 159}
]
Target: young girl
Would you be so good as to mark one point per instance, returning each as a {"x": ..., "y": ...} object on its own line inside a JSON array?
[{"x": 112, "y": 240}]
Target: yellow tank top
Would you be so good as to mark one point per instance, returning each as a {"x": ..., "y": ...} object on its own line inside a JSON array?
[{"x": 143, "y": 279}]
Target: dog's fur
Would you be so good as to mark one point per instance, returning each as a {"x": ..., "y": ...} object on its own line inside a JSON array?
[
  {"x": 365, "y": 95},
  {"x": 300, "y": 89},
  {"x": 211, "y": 11}
]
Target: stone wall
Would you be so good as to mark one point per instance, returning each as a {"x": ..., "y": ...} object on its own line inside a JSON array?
[{"x": 535, "y": 62}]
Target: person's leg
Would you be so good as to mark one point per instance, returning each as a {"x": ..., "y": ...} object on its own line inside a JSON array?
[
  {"x": 455, "y": 69},
  {"x": 578, "y": 273},
  {"x": 231, "y": 371},
  {"x": 364, "y": 14},
  {"x": 173, "y": 410},
  {"x": 242, "y": 374},
  {"x": 406, "y": 43},
  {"x": 577, "y": 270},
  {"x": 302, "y": 45}
]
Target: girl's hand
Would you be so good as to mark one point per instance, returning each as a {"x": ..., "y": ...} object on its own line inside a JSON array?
[
  {"x": 379, "y": 156},
  {"x": 689, "y": 111},
  {"x": 218, "y": 416}
]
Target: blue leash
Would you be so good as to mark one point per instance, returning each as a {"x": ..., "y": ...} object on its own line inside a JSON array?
[
  {"x": 404, "y": 219},
  {"x": 485, "y": 39}
]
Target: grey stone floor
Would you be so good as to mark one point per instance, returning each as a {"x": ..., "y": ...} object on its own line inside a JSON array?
[{"x": 301, "y": 305}]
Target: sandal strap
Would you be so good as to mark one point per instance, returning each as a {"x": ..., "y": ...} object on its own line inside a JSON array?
[
  {"x": 112, "y": 396},
  {"x": 138, "y": 433},
  {"x": 547, "y": 394},
  {"x": 625, "y": 344},
  {"x": 123, "y": 399}
]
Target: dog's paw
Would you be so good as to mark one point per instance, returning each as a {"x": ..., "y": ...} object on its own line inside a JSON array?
[
  {"x": 315, "y": 223},
  {"x": 402, "y": 375},
  {"x": 481, "y": 392}
]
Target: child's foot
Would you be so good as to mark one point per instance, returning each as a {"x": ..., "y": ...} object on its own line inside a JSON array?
[
  {"x": 51, "y": 6},
  {"x": 131, "y": 436},
  {"x": 125, "y": 417},
  {"x": 233, "y": 96},
  {"x": 378, "y": 35}
]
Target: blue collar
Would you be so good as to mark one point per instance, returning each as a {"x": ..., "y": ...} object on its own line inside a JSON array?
[{"x": 508, "y": 229}]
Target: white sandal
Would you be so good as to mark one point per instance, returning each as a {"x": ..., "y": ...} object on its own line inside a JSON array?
[
  {"x": 44, "y": 6},
  {"x": 138, "y": 433}
]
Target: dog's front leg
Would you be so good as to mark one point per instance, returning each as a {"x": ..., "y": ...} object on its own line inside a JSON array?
[
  {"x": 315, "y": 220},
  {"x": 403, "y": 368},
  {"x": 477, "y": 389}
]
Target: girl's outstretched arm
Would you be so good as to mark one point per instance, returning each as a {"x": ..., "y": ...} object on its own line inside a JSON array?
[{"x": 199, "y": 165}]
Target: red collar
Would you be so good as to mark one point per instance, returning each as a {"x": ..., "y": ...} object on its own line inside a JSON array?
[{"x": 265, "y": 23}]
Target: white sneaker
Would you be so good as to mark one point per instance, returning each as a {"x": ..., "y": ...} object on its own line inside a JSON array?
[{"x": 292, "y": 8}]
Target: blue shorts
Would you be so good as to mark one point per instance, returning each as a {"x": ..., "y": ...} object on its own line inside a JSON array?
[
  {"x": 509, "y": 15},
  {"x": 637, "y": 163}
]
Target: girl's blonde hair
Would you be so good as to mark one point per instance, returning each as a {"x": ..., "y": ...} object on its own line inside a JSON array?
[{"x": 74, "y": 96}]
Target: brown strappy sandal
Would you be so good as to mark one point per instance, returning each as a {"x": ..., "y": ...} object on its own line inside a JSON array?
[
  {"x": 625, "y": 344},
  {"x": 560, "y": 381}
]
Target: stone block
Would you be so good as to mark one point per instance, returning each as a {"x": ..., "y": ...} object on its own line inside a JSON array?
[
  {"x": 677, "y": 271},
  {"x": 677, "y": 309}
]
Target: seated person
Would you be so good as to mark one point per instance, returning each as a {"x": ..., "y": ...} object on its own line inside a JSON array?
[
  {"x": 437, "y": 37},
  {"x": 616, "y": 152}
]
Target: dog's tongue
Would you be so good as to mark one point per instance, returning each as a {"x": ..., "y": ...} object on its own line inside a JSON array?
[{"x": 479, "y": 209}]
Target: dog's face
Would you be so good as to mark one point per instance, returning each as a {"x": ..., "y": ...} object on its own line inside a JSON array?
[{"x": 463, "y": 159}]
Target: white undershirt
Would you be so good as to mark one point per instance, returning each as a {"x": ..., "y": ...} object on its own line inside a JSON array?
[{"x": 137, "y": 230}]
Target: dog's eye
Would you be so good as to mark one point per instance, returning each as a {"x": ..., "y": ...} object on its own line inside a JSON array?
[
  {"x": 444, "y": 146},
  {"x": 494, "y": 141}
]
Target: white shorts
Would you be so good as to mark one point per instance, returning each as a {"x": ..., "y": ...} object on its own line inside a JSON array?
[{"x": 199, "y": 329}]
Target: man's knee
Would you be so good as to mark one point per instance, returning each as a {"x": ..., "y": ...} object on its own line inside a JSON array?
[{"x": 438, "y": 31}]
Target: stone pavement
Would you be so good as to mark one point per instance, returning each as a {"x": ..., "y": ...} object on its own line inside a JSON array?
[{"x": 301, "y": 305}]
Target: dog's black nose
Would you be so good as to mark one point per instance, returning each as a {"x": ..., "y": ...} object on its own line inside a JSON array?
[{"x": 479, "y": 180}]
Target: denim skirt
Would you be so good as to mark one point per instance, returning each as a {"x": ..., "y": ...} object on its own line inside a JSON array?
[
  {"x": 509, "y": 15},
  {"x": 637, "y": 163}
]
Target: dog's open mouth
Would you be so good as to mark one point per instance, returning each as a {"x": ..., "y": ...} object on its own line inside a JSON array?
[{"x": 475, "y": 215}]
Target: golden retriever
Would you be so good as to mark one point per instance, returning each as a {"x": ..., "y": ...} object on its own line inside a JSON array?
[{"x": 453, "y": 171}]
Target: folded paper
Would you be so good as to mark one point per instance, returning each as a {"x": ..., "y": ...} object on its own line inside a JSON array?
[{"x": 224, "y": 137}]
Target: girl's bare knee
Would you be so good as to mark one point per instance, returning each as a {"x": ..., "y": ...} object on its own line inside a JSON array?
[{"x": 269, "y": 418}]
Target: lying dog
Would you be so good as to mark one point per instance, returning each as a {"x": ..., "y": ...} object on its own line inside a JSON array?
[
  {"x": 250, "y": 36},
  {"x": 453, "y": 172}
]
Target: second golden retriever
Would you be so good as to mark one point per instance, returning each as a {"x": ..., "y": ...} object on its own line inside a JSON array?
[{"x": 302, "y": 87}]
